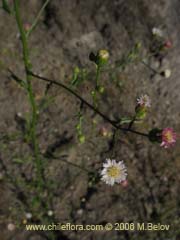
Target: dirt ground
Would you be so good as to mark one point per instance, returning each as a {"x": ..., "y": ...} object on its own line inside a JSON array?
[{"x": 68, "y": 31}]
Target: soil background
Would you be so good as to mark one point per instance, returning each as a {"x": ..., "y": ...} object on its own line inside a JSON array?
[{"x": 68, "y": 31}]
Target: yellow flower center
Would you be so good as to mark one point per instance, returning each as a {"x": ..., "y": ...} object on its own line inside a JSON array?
[
  {"x": 113, "y": 172},
  {"x": 169, "y": 136}
]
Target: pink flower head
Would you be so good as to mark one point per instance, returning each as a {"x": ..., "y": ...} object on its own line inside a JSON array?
[
  {"x": 168, "y": 137},
  {"x": 144, "y": 100}
]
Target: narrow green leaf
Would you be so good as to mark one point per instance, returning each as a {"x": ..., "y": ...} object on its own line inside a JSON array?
[{"x": 125, "y": 120}]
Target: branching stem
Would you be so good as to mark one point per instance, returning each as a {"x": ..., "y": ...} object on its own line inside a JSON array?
[
  {"x": 27, "y": 66},
  {"x": 113, "y": 123}
]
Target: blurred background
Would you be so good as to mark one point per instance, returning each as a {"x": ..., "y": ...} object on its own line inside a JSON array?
[{"x": 67, "y": 32}]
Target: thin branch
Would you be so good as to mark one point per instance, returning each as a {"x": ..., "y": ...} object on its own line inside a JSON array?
[
  {"x": 132, "y": 122},
  {"x": 71, "y": 163},
  {"x": 34, "y": 24},
  {"x": 148, "y": 66},
  {"x": 88, "y": 104}
]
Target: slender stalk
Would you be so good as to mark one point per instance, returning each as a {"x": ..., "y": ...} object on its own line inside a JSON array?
[
  {"x": 132, "y": 122},
  {"x": 148, "y": 66},
  {"x": 97, "y": 86},
  {"x": 27, "y": 65},
  {"x": 72, "y": 164},
  {"x": 34, "y": 24},
  {"x": 97, "y": 76},
  {"x": 88, "y": 104}
]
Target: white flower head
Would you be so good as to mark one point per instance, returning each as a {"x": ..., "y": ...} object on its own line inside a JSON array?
[
  {"x": 144, "y": 100},
  {"x": 113, "y": 172},
  {"x": 157, "y": 32}
]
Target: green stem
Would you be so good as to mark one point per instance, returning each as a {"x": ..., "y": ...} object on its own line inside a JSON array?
[
  {"x": 72, "y": 164},
  {"x": 132, "y": 122},
  {"x": 27, "y": 65},
  {"x": 34, "y": 24},
  {"x": 95, "y": 104},
  {"x": 149, "y": 67},
  {"x": 97, "y": 76}
]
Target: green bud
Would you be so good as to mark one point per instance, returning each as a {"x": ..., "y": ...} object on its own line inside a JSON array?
[
  {"x": 102, "y": 57},
  {"x": 100, "y": 89},
  {"x": 76, "y": 70},
  {"x": 141, "y": 112},
  {"x": 78, "y": 127},
  {"x": 93, "y": 93},
  {"x": 138, "y": 45},
  {"x": 81, "y": 138}
]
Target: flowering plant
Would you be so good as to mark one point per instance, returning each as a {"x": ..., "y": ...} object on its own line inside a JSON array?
[{"x": 112, "y": 171}]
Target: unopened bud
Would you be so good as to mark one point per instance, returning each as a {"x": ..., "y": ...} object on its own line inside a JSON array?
[
  {"x": 102, "y": 57},
  {"x": 140, "y": 112},
  {"x": 104, "y": 132},
  {"x": 27, "y": 26},
  {"x": 81, "y": 139},
  {"x": 100, "y": 89},
  {"x": 93, "y": 93}
]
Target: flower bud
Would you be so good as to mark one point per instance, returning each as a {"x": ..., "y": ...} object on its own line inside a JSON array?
[
  {"x": 81, "y": 139},
  {"x": 101, "y": 89},
  {"x": 93, "y": 93},
  {"x": 140, "y": 112},
  {"x": 102, "y": 57},
  {"x": 24, "y": 221},
  {"x": 27, "y": 27},
  {"x": 104, "y": 132}
]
